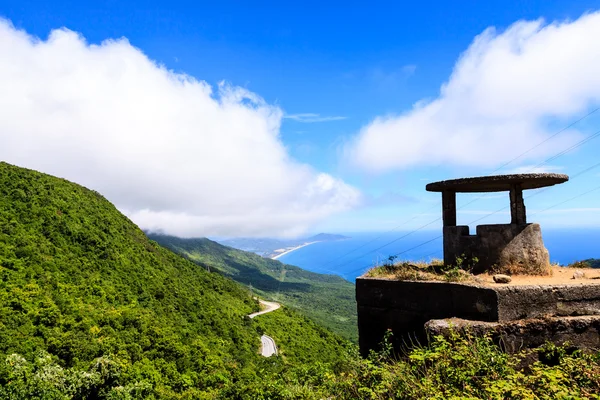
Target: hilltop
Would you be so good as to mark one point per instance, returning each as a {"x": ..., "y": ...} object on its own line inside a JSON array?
[
  {"x": 90, "y": 307},
  {"x": 327, "y": 299}
]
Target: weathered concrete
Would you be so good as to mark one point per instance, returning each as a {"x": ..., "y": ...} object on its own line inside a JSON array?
[
  {"x": 497, "y": 183},
  {"x": 503, "y": 246},
  {"x": 405, "y": 306},
  {"x": 497, "y": 246},
  {"x": 514, "y": 336}
]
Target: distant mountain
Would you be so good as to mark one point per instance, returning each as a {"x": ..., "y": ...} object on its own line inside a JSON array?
[
  {"x": 327, "y": 299},
  {"x": 326, "y": 237},
  {"x": 272, "y": 247},
  {"x": 593, "y": 262}
]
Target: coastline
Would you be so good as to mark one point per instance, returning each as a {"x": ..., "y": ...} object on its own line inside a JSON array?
[{"x": 292, "y": 249}]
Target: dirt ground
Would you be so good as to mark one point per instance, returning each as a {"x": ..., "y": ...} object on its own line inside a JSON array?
[{"x": 560, "y": 276}]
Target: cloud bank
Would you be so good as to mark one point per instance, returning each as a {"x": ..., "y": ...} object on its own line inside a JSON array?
[
  {"x": 497, "y": 102},
  {"x": 172, "y": 152}
]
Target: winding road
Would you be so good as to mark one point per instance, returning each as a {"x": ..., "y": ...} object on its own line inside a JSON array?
[
  {"x": 268, "y": 346},
  {"x": 268, "y": 307}
]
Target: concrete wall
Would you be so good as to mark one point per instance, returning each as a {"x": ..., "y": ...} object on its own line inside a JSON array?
[
  {"x": 514, "y": 336},
  {"x": 500, "y": 245},
  {"x": 405, "y": 306}
]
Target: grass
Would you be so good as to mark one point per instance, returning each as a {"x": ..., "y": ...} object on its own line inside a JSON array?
[{"x": 420, "y": 271}]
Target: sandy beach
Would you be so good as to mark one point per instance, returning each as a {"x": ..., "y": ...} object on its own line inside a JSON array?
[{"x": 292, "y": 249}]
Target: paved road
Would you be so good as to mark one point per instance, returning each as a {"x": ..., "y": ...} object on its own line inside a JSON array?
[
  {"x": 268, "y": 347},
  {"x": 268, "y": 307}
]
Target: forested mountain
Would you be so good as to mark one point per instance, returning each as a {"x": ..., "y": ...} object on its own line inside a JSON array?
[
  {"x": 327, "y": 299},
  {"x": 85, "y": 296}
]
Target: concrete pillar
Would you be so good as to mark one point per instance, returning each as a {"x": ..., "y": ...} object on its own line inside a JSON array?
[
  {"x": 449, "y": 208},
  {"x": 517, "y": 206}
]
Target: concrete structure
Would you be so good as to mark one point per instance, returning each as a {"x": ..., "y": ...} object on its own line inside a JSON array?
[
  {"x": 517, "y": 315},
  {"x": 518, "y": 244},
  {"x": 405, "y": 306}
]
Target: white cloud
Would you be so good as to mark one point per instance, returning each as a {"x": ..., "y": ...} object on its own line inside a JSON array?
[
  {"x": 172, "y": 153},
  {"x": 531, "y": 169},
  {"x": 311, "y": 117},
  {"x": 497, "y": 102}
]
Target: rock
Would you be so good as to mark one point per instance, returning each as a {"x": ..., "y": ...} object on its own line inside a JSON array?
[
  {"x": 501, "y": 278},
  {"x": 526, "y": 250},
  {"x": 518, "y": 335},
  {"x": 578, "y": 274}
]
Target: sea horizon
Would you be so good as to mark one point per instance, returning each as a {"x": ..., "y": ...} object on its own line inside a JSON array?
[{"x": 350, "y": 258}]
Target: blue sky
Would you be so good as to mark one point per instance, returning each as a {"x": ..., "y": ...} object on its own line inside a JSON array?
[{"x": 331, "y": 70}]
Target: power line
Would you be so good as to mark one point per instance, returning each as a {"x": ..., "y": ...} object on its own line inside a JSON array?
[
  {"x": 580, "y": 143},
  {"x": 378, "y": 237},
  {"x": 546, "y": 140},
  {"x": 502, "y": 209},
  {"x": 387, "y": 244},
  {"x": 576, "y": 145},
  {"x": 568, "y": 200},
  {"x": 406, "y": 251},
  {"x": 572, "y": 177}
]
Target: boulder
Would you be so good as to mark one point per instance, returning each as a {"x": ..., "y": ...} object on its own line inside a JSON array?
[
  {"x": 578, "y": 274},
  {"x": 501, "y": 278}
]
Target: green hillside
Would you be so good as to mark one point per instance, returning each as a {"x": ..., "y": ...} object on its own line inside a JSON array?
[
  {"x": 327, "y": 299},
  {"x": 90, "y": 308}
]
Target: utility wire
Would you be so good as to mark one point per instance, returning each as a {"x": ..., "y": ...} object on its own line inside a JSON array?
[
  {"x": 580, "y": 143},
  {"x": 502, "y": 209},
  {"x": 387, "y": 244},
  {"x": 562, "y": 153},
  {"x": 546, "y": 140},
  {"x": 377, "y": 238},
  {"x": 568, "y": 200}
]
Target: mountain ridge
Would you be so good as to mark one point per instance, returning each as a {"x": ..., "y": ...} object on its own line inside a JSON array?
[{"x": 327, "y": 299}]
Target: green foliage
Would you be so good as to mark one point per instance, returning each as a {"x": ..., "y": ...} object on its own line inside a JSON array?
[
  {"x": 463, "y": 367},
  {"x": 327, "y": 299},
  {"x": 283, "y": 326},
  {"x": 589, "y": 263},
  {"x": 593, "y": 262},
  {"x": 435, "y": 270},
  {"x": 90, "y": 308},
  {"x": 82, "y": 289}
]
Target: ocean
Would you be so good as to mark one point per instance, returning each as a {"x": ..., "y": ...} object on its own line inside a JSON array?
[{"x": 350, "y": 258}]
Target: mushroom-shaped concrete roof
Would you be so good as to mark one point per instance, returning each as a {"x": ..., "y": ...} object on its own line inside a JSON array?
[{"x": 497, "y": 183}]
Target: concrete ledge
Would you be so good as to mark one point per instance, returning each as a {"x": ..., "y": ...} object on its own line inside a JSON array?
[
  {"x": 520, "y": 302},
  {"x": 514, "y": 336}
]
